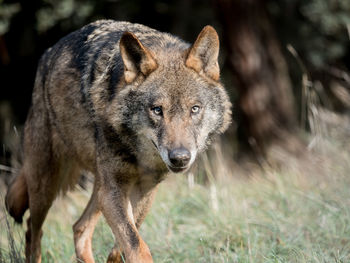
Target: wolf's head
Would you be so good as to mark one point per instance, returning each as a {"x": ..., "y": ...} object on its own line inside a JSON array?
[{"x": 172, "y": 97}]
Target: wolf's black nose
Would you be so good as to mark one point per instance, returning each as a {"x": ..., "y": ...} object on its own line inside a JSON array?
[{"x": 179, "y": 157}]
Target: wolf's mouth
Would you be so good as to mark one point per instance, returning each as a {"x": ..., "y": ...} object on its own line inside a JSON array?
[
  {"x": 155, "y": 145},
  {"x": 177, "y": 169}
]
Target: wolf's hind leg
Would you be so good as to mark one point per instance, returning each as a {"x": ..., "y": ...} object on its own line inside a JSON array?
[
  {"x": 41, "y": 170},
  {"x": 84, "y": 228},
  {"x": 41, "y": 195}
]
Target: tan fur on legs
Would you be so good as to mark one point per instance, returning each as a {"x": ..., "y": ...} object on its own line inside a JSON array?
[
  {"x": 115, "y": 256},
  {"x": 117, "y": 209},
  {"x": 141, "y": 196},
  {"x": 42, "y": 186},
  {"x": 38, "y": 212},
  {"x": 84, "y": 228}
]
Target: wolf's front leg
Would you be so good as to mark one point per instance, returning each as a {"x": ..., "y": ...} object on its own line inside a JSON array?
[
  {"x": 84, "y": 228},
  {"x": 117, "y": 209}
]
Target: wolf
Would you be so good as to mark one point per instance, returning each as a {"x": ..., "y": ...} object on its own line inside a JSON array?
[{"x": 128, "y": 104}]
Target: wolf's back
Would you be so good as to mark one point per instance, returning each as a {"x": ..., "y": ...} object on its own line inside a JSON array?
[{"x": 92, "y": 53}]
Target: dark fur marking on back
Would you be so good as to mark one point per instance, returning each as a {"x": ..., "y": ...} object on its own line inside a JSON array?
[
  {"x": 44, "y": 68},
  {"x": 93, "y": 66},
  {"x": 47, "y": 61},
  {"x": 80, "y": 54},
  {"x": 171, "y": 45},
  {"x": 115, "y": 75}
]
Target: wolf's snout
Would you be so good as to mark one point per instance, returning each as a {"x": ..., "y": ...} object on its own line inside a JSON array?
[{"x": 179, "y": 157}]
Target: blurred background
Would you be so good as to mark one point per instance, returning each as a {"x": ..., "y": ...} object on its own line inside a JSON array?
[
  {"x": 276, "y": 57},
  {"x": 285, "y": 64}
]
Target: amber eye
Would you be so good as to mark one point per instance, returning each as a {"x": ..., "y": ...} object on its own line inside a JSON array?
[
  {"x": 157, "y": 110},
  {"x": 195, "y": 109}
]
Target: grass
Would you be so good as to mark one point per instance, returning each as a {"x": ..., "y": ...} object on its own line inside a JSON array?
[{"x": 299, "y": 213}]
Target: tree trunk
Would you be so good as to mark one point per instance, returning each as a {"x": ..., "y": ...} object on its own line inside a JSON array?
[{"x": 265, "y": 100}]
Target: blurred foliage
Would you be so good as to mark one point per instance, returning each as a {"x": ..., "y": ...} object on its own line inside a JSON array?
[
  {"x": 318, "y": 29},
  {"x": 6, "y": 12},
  {"x": 53, "y": 12}
]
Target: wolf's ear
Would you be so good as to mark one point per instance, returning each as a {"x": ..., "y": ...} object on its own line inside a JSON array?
[
  {"x": 203, "y": 55},
  {"x": 137, "y": 59}
]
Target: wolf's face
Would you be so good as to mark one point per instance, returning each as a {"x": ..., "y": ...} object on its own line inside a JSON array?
[
  {"x": 178, "y": 104},
  {"x": 178, "y": 111}
]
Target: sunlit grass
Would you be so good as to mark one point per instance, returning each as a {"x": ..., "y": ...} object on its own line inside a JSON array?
[{"x": 291, "y": 215}]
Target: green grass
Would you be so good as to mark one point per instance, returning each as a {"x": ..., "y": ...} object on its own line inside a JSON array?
[{"x": 296, "y": 214}]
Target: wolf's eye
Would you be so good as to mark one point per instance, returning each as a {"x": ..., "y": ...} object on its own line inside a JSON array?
[
  {"x": 157, "y": 110},
  {"x": 195, "y": 109}
]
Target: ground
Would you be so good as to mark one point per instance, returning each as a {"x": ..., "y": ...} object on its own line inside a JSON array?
[{"x": 296, "y": 213}]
